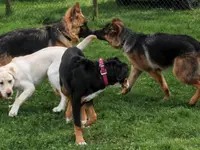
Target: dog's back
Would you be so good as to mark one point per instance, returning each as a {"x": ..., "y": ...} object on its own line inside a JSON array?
[
  {"x": 24, "y": 41},
  {"x": 71, "y": 58}
]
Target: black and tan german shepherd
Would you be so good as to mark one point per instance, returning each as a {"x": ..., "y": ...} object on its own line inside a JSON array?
[
  {"x": 155, "y": 52},
  {"x": 26, "y": 41}
]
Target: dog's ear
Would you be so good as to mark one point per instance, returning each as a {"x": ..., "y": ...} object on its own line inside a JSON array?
[
  {"x": 117, "y": 21},
  {"x": 77, "y": 7},
  {"x": 11, "y": 71},
  {"x": 116, "y": 27},
  {"x": 71, "y": 15},
  {"x": 116, "y": 58},
  {"x": 87, "y": 63},
  {"x": 72, "y": 12}
]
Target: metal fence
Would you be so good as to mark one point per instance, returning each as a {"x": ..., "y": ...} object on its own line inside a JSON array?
[
  {"x": 11, "y": 5},
  {"x": 166, "y": 4}
]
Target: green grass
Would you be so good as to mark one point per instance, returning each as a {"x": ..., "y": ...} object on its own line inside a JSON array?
[{"x": 139, "y": 120}]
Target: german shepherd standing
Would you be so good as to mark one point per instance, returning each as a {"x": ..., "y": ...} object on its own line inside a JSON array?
[
  {"x": 153, "y": 53},
  {"x": 26, "y": 41}
]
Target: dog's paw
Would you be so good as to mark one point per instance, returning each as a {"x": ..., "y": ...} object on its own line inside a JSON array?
[
  {"x": 125, "y": 91},
  {"x": 68, "y": 120},
  {"x": 14, "y": 111},
  {"x": 82, "y": 143},
  {"x": 57, "y": 109}
]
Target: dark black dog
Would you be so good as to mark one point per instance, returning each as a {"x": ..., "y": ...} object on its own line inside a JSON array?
[
  {"x": 80, "y": 77},
  {"x": 153, "y": 53},
  {"x": 26, "y": 41}
]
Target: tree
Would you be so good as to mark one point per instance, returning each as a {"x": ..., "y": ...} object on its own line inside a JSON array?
[{"x": 8, "y": 7}]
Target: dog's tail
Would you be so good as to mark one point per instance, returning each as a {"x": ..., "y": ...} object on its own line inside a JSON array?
[{"x": 83, "y": 44}]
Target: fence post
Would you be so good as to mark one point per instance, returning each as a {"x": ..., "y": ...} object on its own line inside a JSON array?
[
  {"x": 8, "y": 7},
  {"x": 95, "y": 9}
]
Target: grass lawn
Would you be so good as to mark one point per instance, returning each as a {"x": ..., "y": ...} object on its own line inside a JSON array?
[{"x": 139, "y": 120}]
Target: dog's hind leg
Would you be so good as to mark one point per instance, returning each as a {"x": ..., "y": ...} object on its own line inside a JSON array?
[
  {"x": 61, "y": 106},
  {"x": 76, "y": 109},
  {"x": 83, "y": 115},
  {"x": 53, "y": 77},
  {"x": 161, "y": 80},
  {"x": 195, "y": 97},
  {"x": 68, "y": 113},
  {"x": 186, "y": 69}
]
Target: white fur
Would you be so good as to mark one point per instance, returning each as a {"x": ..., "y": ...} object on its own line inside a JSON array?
[{"x": 28, "y": 71}]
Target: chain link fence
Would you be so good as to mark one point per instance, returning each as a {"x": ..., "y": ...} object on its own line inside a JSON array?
[
  {"x": 166, "y": 4},
  {"x": 12, "y": 5}
]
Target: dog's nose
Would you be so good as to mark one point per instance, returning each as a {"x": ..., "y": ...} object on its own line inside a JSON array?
[{"x": 9, "y": 92}]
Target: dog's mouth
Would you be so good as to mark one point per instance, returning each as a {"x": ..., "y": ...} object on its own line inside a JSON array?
[{"x": 124, "y": 83}]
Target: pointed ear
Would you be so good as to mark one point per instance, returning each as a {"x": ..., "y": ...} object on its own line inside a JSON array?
[
  {"x": 117, "y": 21},
  {"x": 71, "y": 12},
  {"x": 77, "y": 7},
  {"x": 116, "y": 28}
]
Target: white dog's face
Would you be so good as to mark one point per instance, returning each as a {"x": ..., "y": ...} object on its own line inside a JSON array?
[{"x": 6, "y": 82}]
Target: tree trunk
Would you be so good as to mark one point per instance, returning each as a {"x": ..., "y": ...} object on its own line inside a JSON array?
[
  {"x": 8, "y": 7},
  {"x": 95, "y": 9}
]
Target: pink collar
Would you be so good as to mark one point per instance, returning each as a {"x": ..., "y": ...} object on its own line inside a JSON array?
[{"x": 103, "y": 71}]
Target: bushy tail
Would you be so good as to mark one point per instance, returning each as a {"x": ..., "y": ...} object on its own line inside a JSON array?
[{"x": 85, "y": 42}]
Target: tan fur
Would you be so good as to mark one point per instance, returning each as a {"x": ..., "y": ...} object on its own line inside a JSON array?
[
  {"x": 73, "y": 20},
  {"x": 68, "y": 113},
  {"x": 186, "y": 68},
  {"x": 58, "y": 43},
  {"x": 12, "y": 69},
  {"x": 4, "y": 59},
  {"x": 91, "y": 115},
  {"x": 113, "y": 37},
  {"x": 79, "y": 135}
]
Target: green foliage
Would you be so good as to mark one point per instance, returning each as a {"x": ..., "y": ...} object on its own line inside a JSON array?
[{"x": 140, "y": 120}]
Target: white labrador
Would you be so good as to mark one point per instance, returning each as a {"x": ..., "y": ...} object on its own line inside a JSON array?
[{"x": 23, "y": 73}]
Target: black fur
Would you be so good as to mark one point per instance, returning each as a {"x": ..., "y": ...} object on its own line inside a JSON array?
[
  {"x": 26, "y": 41},
  {"x": 162, "y": 48},
  {"x": 81, "y": 76}
]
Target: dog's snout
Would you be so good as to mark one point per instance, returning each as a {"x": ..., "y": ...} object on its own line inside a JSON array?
[{"x": 9, "y": 93}]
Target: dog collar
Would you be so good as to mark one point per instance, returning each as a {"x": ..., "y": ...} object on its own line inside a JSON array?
[{"x": 103, "y": 71}]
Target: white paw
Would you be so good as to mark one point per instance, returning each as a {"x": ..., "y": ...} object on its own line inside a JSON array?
[
  {"x": 83, "y": 122},
  {"x": 82, "y": 143},
  {"x": 12, "y": 113},
  {"x": 14, "y": 110},
  {"x": 68, "y": 120},
  {"x": 58, "y": 109}
]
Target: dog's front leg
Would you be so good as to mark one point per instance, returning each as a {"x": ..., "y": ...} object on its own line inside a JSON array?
[
  {"x": 134, "y": 74},
  {"x": 91, "y": 115},
  {"x": 27, "y": 92}
]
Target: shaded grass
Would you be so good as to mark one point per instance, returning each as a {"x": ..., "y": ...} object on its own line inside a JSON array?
[{"x": 138, "y": 120}]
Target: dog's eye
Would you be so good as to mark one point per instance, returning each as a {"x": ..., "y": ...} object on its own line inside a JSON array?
[
  {"x": 9, "y": 81},
  {"x": 1, "y": 83}
]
